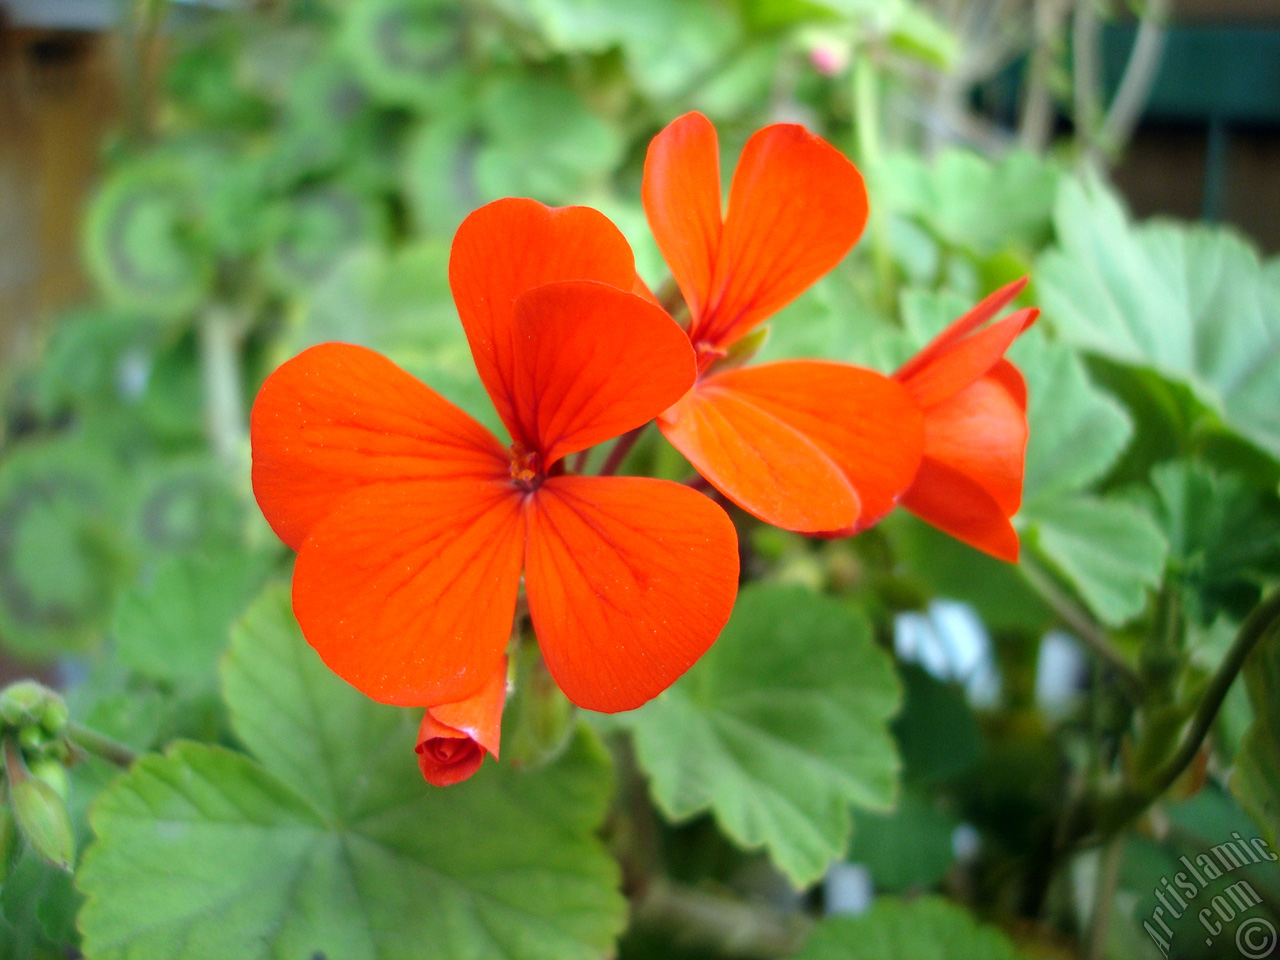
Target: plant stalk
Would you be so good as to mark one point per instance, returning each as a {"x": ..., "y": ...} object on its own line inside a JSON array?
[
  {"x": 621, "y": 447},
  {"x": 91, "y": 741},
  {"x": 219, "y": 333},
  {"x": 1078, "y": 620}
]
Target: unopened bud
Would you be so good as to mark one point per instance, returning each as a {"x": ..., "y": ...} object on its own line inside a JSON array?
[
  {"x": 43, "y": 820},
  {"x": 32, "y": 738},
  {"x": 541, "y": 716},
  {"x": 54, "y": 774},
  {"x": 23, "y": 703},
  {"x": 741, "y": 352},
  {"x": 55, "y": 716}
]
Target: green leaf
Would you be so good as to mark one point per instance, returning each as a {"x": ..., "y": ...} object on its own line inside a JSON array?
[
  {"x": 1224, "y": 537},
  {"x": 1192, "y": 303},
  {"x": 909, "y": 848},
  {"x": 779, "y": 728},
  {"x": 175, "y": 625},
  {"x": 408, "y": 52},
  {"x": 438, "y": 174},
  {"x": 973, "y": 203},
  {"x": 929, "y": 928},
  {"x": 936, "y": 731},
  {"x": 142, "y": 240},
  {"x": 541, "y": 142},
  {"x": 330, "y": 844},
  {"x": 59, "y": 547},
  {"x": 1109, "y": 551},
  {"x": 1076, "y": 432},
  {"x": 184, "y": 504},
  {"x": 669, "y": 45},
  {"x": 311, "y": 232}
]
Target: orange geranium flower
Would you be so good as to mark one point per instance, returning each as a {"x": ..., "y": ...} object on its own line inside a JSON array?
[
  {"x": 413, "y": 523},
  {"x": 975, "y": 427},
  {"x": 807, "y": 445},
  {"x": 454, "y": 738}
]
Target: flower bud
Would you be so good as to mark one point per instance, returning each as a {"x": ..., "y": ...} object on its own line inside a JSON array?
[
  {"x": 42, "y": 818},
  {"x": 54, "y": 774},
  {"x": 24, "y": 702},
  {"x": 31, "y": 739},
  {"x": 53, "y": 720},
  {"x": 542, "y": 717},
  {"x": 454, "y": 737}
]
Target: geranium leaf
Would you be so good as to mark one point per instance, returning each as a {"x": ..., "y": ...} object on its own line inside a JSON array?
[
  {"x": 174, "y": 625},
  {"x": 1194, "y": 304},
  {"x": 778, "y": 730},
  {"x": 1076, "y": 431},
  {"x": 929, "y": 928},
  {"x": 330, "y": 844},
  {"x": 1109, "y": 551}
]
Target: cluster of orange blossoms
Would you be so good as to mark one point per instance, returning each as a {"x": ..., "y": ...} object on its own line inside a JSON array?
[{"x": 414, "y": 525}]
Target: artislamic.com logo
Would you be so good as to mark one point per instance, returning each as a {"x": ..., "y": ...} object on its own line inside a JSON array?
[{"x": 1219, "y": 912}]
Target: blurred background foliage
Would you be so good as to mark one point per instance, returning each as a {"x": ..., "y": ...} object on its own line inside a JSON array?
[{"x": 998, "y": 761}]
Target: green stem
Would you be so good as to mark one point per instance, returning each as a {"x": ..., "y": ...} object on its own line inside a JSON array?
[
  {"x": 91, "y": 741},
  {"x": 146, "y": 18},
  {"x": 867, "y": 123},
  {"x": 1085, "y": 43},
  {"x": 1104, "y": 895},
  {"x": 725, "y": 925},
  {"x": 1078, "y": 620},
  {"x": 220, "y": 371},
  {"x": 14, "y": 768},
  {"x": 621, "y": 447},
  {"x": 1109, "y": 814},
  {"x": 1262, "y": 622}
]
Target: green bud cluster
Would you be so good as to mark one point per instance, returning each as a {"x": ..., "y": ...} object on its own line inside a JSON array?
[{"x": 34, "y": 786}]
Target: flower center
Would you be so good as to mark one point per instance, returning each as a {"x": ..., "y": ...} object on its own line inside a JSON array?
[
  {"x": 526, "y": 467},
  {"x": 707, "y": 353}
]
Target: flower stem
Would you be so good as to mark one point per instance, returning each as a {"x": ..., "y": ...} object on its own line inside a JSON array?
[
  {"x": 725, "y": 925},
  {"x": 1082, "y": 625},
  {"x": 1110, "y": 813},
  {"x": 91, "y": 741},
  {"x": 621, "y": 447},
  {"x": 220, "y": 372},
  {"x": 866, "y": 105}
]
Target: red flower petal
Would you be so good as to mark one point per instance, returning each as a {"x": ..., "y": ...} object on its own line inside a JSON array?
[
  {"x": 447, "y": 759},
  {"x": 511, "y": 246},
  {"x": 338, "y": 417},
  {"x": 796, "y": 207},
  {"x": 592, "y": 362},
  {"x": 407, "y": 590},
  {"x": 970, "y": 482},
  {"x": 454, "y": 737},
  {"x": 759, "y": 461},
  {"x": 805, "y": 445},
  {"x": 953, "y": 503},
  {"x": 960, "y": 328},
  {"x": 681, "y": 194},
  {"x": 963, "y": 362},
  {"x": 629, "y": 581},
  {"x": 866, "y": 423}
]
